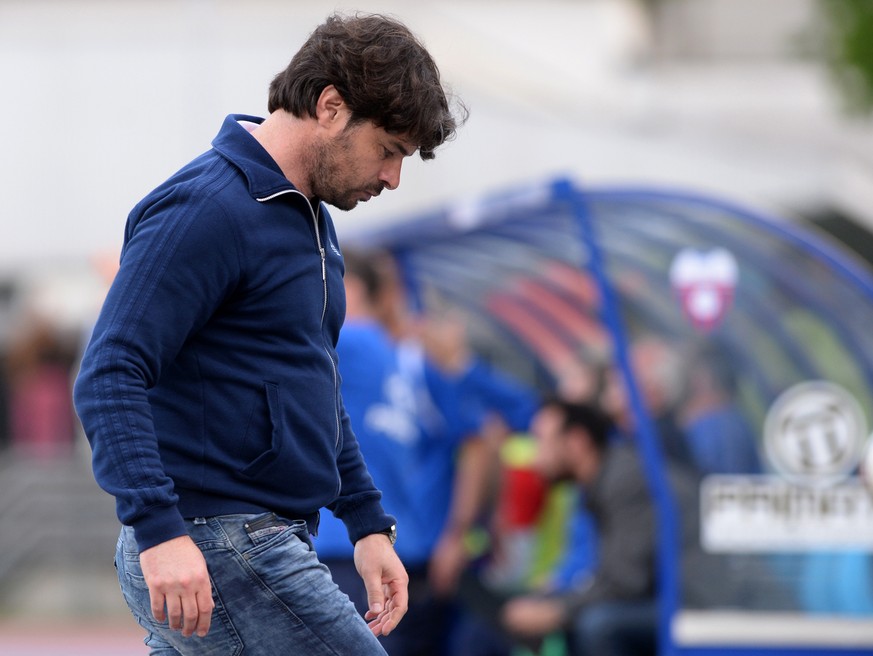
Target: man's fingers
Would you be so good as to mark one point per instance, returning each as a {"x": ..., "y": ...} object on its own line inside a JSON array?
[
  {"x": 395, "y": 608},
  {"x": 158, "y": 600},
  {"x": 190, "y": 615},
  {"x": 385, "y": 580},
  {"x": 375, "y": 595},
  {"x": 174, "y": 612},
  {"x": 206, "y": 605},
  {"x": 179, "y": 586}
]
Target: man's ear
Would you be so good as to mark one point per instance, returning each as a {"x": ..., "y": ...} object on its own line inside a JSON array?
[{"x": 330, "y": 108}]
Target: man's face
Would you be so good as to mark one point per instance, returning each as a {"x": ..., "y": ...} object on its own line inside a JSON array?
[
  {"x": 551, "y": 457},
  {"x": 356, "y": 164}
]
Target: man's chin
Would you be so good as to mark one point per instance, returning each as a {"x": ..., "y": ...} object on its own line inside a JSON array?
[{"x": 344, "y": 204}]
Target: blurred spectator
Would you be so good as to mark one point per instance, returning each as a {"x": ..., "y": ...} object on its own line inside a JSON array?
[
  {"x": 520, "y": 500},
  {"x": 456, "y": 397},
  {"x": 42, "y": 421},
  {"x": 720, "y": 439},
  {"x": 613, "y": 610},
  {"x": 379, "y": 406},
  {"x": 584, "y": 379},
  {"x": 588, "y": 380},
  {"x": 657, "y": 369},
  {"x": 5, "y": 428}
]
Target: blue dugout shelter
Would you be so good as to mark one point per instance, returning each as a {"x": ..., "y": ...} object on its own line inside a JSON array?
[{"x": 548, "y": 273}]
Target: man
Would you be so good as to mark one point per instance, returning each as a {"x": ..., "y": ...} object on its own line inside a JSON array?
[
  {"x": 463, "y": 407},
  {"x": 720, "y": 439},
  {"x": 613, "y": 611},
  {"x": 209, "y": 391},
  {"x": 657, "y": 368}
]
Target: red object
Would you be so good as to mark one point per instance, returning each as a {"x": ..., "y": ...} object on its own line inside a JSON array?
[{"x": 522, "y": 498}]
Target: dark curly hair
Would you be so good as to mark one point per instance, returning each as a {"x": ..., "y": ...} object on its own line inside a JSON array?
[{"x": 383, "y": 73}]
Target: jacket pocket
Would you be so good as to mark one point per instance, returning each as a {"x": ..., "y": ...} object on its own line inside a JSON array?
[{"x": 264, "y": 433}]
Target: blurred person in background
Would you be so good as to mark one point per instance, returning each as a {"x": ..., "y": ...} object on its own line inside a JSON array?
[
  {"x": 575, "y": 442},
  {"x": 543, "y": 537},
  {"x": 658, "y": 369},
  {"x": 38, "y": 366},
  {"x": 465, "y": 410},
  {"x": 378, "y": 402},
  {"x": 4, "y": 403},
  {"x": 613, "y": 610},
  {"x": 209, "y": 391},
  {"x": 719, "y": 438}
]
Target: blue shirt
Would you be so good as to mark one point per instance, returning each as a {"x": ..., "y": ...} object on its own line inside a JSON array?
[
  {"x": 378, "y": 400},
  {"x": 722, "y": 442},
  {"x": 579, "y": 558}
]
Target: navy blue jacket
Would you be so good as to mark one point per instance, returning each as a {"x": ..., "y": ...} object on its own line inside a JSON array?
[{"x": 210, "y": 385}]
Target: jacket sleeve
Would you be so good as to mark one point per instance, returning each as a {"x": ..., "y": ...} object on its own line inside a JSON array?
[
  {"x": 359, "y": 504},
  {"x": 178, "y": 262}
]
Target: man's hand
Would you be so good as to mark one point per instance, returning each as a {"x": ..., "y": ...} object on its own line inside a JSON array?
[
  {"x": 179, "y": 587},
  {"x": 533, "y": 616},
  {"x": 386, "y": 582}
]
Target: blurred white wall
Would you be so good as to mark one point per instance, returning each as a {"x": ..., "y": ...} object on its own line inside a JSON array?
[{"x": 102, "y": 100}]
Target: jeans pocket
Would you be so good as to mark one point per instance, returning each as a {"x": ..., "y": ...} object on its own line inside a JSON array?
[
  {"x": 133, "y": 570},
  {"x": 263, "y": 529},
  {"x": 127, "y": 560}
]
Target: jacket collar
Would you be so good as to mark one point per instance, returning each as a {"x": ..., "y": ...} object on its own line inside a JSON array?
[{"x": 236, "y": 145}]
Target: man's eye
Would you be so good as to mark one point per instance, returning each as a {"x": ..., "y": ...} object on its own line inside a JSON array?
[{"x": 386, "y": 153}]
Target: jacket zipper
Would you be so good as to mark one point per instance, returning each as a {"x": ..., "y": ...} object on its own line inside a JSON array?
[{"x": 323, "y": 256}]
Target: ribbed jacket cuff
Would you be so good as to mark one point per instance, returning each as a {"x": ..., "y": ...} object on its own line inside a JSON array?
[
  {"x": 366, "y": 520},
  {"x": 158, "y": 525}
]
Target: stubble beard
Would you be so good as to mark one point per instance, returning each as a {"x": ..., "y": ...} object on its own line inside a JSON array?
[{"x": 326, "y": 176}]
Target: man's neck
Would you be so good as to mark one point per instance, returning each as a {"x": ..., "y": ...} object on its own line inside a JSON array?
[{"x": 286, "y": 138}]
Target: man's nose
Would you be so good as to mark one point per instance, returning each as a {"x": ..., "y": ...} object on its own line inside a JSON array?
[{"x": 390, "y": 174}]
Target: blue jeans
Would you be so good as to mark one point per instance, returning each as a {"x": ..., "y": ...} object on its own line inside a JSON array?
[{"x": 271, "y": 594}]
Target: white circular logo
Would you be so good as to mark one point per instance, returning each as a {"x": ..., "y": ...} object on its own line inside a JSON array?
[{"x": 814, "y": 433}]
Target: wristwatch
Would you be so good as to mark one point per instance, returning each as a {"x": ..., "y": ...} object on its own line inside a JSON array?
[{"x": 391, "y": 533}]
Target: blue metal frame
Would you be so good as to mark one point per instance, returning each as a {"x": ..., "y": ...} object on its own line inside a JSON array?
[{"x": 645, "y": 434}]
